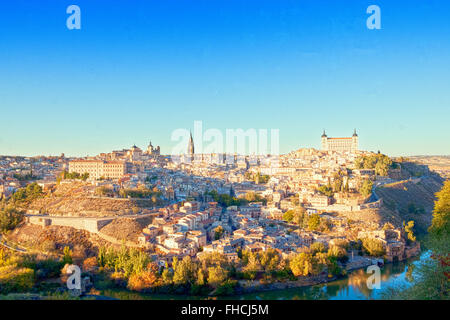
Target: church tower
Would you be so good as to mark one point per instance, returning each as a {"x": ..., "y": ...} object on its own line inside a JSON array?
[
  {"x": 324, "y": 141},
  {"x": 354, "y": 141},
  {"x": 190, "y": 149}
]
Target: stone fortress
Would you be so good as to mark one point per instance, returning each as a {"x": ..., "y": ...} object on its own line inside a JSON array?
[{"x": 347, "y": 144}]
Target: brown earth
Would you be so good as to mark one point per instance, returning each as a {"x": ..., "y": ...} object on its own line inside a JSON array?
[
  {"x": 399, "y": 196},
  {"x": 53, "y": 239},
  {"x": 126, "y": 228},
  {"x": 77, "y": 199}
]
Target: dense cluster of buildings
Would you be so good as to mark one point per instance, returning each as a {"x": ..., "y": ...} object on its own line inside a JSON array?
[
  {"x": 192, "y": 222},
  {"x": 15, "y": 172}
]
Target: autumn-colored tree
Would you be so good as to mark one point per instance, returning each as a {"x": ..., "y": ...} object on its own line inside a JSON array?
[
  {"x": 142, "y": 281},
  {"x": 90, "y": 264},
  {"x": 253, "y": 263},
  {"x": 409, "y": 229},
  {"x": 301, "y": 264},
  {"x": 338, "y": 252},
  {"x": 200, "y": 277},
  {"x": 217, "y": 275},
  {"x": 440, "y": 225},
  {"x": 317, "y": 247},
  {"x": 218, "y": 232},
  {"x": 67, "y": 258}
]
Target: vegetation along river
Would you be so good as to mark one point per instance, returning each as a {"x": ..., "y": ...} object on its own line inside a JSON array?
[{"x": 351, "y": 287}]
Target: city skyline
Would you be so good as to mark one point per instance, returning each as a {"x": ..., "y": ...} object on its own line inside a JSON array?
[{"x": 138, "y": 71}]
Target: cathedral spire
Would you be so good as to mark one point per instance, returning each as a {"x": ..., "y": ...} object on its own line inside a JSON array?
[{"x": 190, "y": 144}]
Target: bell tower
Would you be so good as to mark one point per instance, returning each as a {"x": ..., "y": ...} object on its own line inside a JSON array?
[
  {"x": 324, "y": 141},
  {"x": 355, "y": 141}
]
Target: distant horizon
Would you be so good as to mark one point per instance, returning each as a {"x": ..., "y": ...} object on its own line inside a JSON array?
[{"x": 168, "y": 154}]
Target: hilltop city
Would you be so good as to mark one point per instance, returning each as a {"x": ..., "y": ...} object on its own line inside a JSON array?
[{"x": 338, "y": 201}]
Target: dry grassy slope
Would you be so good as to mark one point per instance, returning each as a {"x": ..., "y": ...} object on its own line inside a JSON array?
[
  {"x": 398, "y": 196},
  {"x": 76, "y": 200},
  {"x": 43, "y": 238},
  {"x": 126, "y": 228}
]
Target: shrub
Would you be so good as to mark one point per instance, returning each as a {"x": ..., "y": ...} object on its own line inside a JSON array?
[
  {"x": 373, "y": 247},
  {"x": 317, "y": 247},
  {"x": 15, "y": 279},
  {"x": 226, "y": 288},
  {"x": 90, "y": 264},
  {"x": 10, "y": 218},
  {"x": 142, "y": 281}
]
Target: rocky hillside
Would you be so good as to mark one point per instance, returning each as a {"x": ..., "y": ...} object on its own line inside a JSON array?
[
  {"x": 55, "y": 238},
  {"x": 126, "y": 228},
  {"x": 410, "y": 200}
]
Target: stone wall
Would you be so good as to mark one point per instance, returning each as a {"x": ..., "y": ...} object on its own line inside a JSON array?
[{"x": 92, "y": 225}]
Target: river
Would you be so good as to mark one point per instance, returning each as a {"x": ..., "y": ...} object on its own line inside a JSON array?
[{"x": 352, "y": 287}]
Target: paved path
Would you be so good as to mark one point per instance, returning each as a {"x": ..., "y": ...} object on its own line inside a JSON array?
[
  {"x": 5, "y": 244},
  {"x": 94, "y": 218}
]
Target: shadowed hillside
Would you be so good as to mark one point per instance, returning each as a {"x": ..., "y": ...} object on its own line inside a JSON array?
[{"x": 411, "y": 200}]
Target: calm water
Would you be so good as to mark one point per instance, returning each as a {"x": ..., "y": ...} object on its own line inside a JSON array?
[{"x": 352, "y": 287}]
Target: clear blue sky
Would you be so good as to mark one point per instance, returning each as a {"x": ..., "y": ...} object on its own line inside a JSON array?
[{"x": 137, "y": 70}]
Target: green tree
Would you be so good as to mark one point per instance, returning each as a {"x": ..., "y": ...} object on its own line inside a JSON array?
[
  {"x": 366, "y": 187},
  {"x": 30, "y": 192},
  {"x": 314, "y": 222},
  {"x": 288, "y": 215},
  {"x": 431, "y": 278},
  {"x": 167, "y": 276},
  {"x": 10, "y": 218},
  {"x": 373, "y": 247},
  {"x": 185, "y": 271},
  {"x": 326, "y": 190},
  {"x": 269, "y": 260},
  {"x": 299, "y": 216}
]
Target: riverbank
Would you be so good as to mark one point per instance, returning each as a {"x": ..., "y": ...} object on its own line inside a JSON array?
[
  {"x": 356, "y": 263},
  {"x": 352, "y": 286},
  {"x": 246, "y": 286}
]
